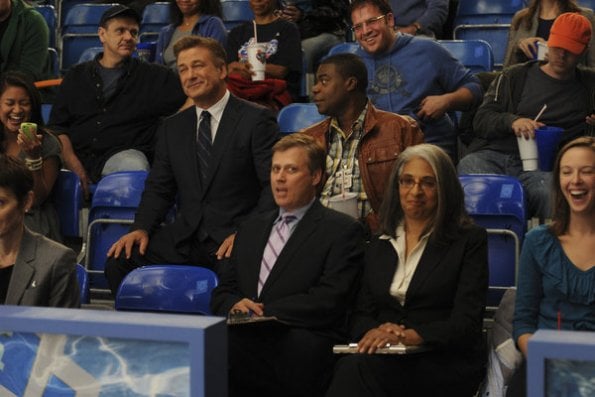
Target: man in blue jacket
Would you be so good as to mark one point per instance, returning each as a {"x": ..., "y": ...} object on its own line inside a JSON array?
[{"x": 411, "y": 75}]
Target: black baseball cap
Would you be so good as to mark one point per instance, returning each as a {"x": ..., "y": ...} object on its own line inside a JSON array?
[{"x": 119, "y": 11}]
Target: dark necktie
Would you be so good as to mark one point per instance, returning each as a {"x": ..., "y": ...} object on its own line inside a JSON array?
[
  {"x": 205, "y": 144},
  {"x": 277, "y": 240}
]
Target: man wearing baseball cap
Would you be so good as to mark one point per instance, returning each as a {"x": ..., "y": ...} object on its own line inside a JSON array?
[
  {"x": 518, "y": 95},
  {"x": 107, "y": 110}
]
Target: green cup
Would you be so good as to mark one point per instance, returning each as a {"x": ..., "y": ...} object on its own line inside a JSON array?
[{"x": 29, "y": 129}]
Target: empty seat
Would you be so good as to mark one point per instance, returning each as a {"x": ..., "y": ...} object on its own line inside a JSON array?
[
  {"x": 155, "y": 16},
  {"x": 49, "y": 14},
  {"x": 497, "y": 202},
  {"x": 297, "y": 116},
  {"x": 83, "y": 280},
  {"x": 486, "y": 11},
  {"x": 236, "y": 12},
  {"x": 167, "y": 288},
  {"x": 79, "y": 31},
  {"x": 343, "y": 48},
  {"x": 495, "y": 34},
  {"x": 67, "y": 197},
  {"x": 89, "y": 54},
  {"x": 114, "y": 204},
  {"x": 476, "y": 55}
]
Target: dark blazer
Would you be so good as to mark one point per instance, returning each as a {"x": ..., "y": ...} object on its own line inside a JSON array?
[
  {"x": 446, "y": 297},
  {"x": 314, "y": 279},
  {"x": 44, "y": 274},
  {"x": 238, "y": 180}
]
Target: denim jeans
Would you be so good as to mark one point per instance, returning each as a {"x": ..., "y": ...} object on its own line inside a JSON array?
[
  {"x": 316, "y": 47},
  {"x": 537, "y": 184},
  {"x": 126, "y": 160}
]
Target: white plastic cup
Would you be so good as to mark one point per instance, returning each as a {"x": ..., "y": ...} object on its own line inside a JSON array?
[
  {"x": 257, "y": 59},
  {"x": 528, "y": 153},
  {"x": 541, "y": 50},
  {"x": 346, "y": 204}
]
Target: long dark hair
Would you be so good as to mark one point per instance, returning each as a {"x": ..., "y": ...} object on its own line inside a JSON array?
[
  {"x": 526, "y": 15},
  {"x": 18, "y": 79},
  {"x": 560, "y": 208},
  {"x": 205, "y": 7},
  {"x": 450, "y": 210}
]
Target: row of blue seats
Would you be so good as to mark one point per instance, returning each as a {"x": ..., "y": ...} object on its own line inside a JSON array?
[{"x": 495, "y": 201}]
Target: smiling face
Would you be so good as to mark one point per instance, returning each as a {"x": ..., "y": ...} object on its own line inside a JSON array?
[
  {"x": 375, "y": 33},
  {"x": 417, "y": 190},
  {"x": 577, "y": 179},
  {"x": 15, "y": 108},
  {"x": 119, "y": 38},
  {"x": 202, "y": 76},
  {"x": 292, "y": 182}
]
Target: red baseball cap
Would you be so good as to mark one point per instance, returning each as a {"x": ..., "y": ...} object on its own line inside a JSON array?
[{"x": 570, "y": 31}]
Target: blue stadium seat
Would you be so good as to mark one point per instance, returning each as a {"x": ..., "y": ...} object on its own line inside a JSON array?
[
  {"x": 495, "y": 34},
  {"x": 83, "y": 280},
  {"x": 297, "y": 116},
  {"x": 155, "y": 16},
  {"x": 472, "y": 12},
  {"x": 114, "y": 204},
  {"x": 79, "y": 31},
  {"x": 476, "y": 55},
  {"x": 235, "y": 12},
  {"x": 89, "y": 54},
  {"x": 167, "y": 288},
  {"x": 497, "y": 202},
  {"x": 49, "y": 14},
  {"x": 587, "y": 4},
  {"x": 341, "y": 48},
  {"x": 67, "y": 197},
  {"x": 46, "y": 109}
]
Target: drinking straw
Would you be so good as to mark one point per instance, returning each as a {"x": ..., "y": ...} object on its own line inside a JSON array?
[
  {"x": 255, "y": 36},
  {"x": 540, "y": 112}
]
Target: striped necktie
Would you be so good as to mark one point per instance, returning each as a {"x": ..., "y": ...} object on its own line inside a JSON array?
[{"x": 277, "y": 240}]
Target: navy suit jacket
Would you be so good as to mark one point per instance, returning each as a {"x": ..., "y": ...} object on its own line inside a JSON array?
[
  {"x": 237, "y": 184},
  {"x": 445, "y": 300},
  {"x": 313, "y": 282},
  {"x": 44, "y": 274}
]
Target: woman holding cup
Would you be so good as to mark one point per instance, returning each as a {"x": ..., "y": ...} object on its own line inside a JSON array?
[
  {"x": 23, "y": 137},
  {"x": 530, "y": 29},
  {"x": 276, "y": 41}
]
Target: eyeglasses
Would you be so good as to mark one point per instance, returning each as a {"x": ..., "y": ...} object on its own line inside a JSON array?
[
  {"x": 426, "y": 184},
  {"x": 370, "y": 23}
]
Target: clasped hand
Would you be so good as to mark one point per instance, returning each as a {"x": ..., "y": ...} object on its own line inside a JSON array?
[{"x": 388, "y": 333}]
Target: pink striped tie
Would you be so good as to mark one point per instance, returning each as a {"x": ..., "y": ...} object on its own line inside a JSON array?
[{"x": 277, "y": 240}]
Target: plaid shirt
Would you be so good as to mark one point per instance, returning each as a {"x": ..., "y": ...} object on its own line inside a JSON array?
[{"x": 342, "y": 156}]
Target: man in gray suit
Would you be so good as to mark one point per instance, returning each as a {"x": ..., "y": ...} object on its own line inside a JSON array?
[{"x": 212, "y": 160}]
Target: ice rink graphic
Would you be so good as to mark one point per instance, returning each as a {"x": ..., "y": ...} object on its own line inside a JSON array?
[{"x": 48, "y": 365}]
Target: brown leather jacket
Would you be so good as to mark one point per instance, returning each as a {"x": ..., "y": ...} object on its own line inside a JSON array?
[{"x": 386, "y": 135}]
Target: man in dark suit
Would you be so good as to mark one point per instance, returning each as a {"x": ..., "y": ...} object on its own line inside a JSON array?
[
  {"x": 212, "y": 160},
  {"x": 307, "y": 283}
]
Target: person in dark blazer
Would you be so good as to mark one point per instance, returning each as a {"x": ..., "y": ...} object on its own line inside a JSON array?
[
  {"x": 425, "y": 283},
  {"x": 34, "y": 270},
  {"x": 309, "y": 289},
  {"x": 214, "y": 166}
]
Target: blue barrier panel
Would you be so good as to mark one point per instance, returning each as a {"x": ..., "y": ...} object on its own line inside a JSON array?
[{"x": 53, "y": 352}]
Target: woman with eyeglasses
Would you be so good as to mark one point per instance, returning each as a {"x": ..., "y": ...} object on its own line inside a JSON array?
[{"x": 424, "y": 284}]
